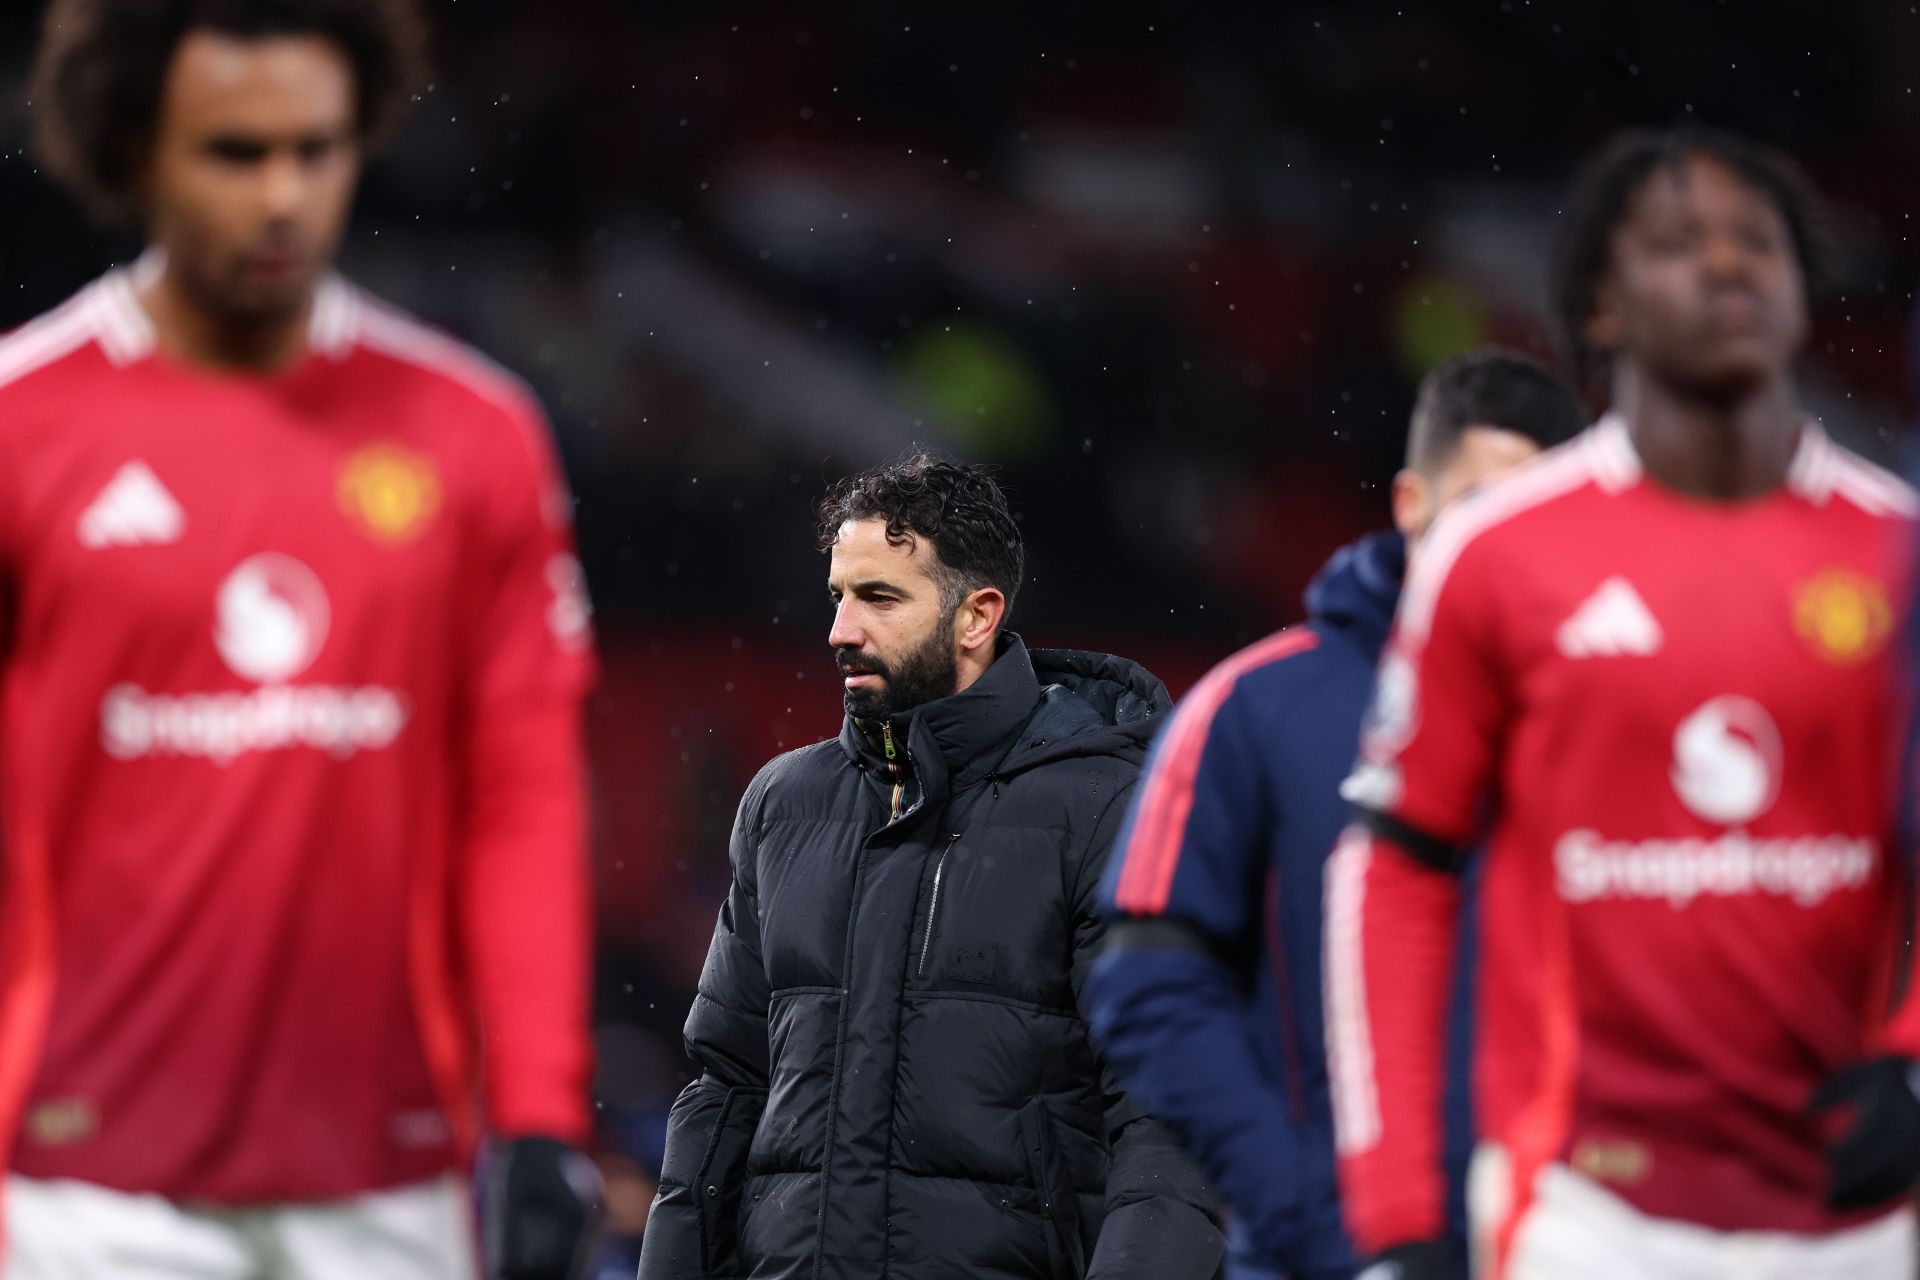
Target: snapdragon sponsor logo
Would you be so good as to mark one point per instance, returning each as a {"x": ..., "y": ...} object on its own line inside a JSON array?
[
  {"x": 1727, "y": 761},
  {"x": 136, "y": 724},
  {"x": 270, "y": 624},
  {"x": 1728, "y": 766},
  {"x": 1805, "y": 869},
  {"x": 271, "y": 617}
]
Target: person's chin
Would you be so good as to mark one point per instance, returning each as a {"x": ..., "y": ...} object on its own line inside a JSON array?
[
  {"x": 267, "y": 300},
  {"x": 865, "y": 706},
  {"x": 1733, "y": 370},
  {"x": 1732, "y": 355}
]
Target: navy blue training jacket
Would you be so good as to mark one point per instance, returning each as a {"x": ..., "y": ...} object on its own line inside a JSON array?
[{"x": 1207, "y": 1001}]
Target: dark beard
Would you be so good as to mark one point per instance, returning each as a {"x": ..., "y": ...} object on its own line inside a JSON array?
[{"x": 924, "y": 674}]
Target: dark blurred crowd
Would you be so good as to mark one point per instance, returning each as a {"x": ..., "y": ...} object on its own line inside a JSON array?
[{"x": 1174, "y": 269}]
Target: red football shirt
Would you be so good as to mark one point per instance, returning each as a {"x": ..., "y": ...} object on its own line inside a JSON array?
[
  {"x": 1672, "y": 723},
  {"x": 292, "y": 806}
]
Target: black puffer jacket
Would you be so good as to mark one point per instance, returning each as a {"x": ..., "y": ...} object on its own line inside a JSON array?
[{"x": 897, "y": 1076}]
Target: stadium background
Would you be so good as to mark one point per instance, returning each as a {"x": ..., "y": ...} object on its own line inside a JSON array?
[{"x": 1175, "y": 269}]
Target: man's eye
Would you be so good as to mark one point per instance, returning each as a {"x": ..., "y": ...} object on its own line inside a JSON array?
[
  {"x": 235, "y": 151},
  {"x": 1674, "y": 242}
]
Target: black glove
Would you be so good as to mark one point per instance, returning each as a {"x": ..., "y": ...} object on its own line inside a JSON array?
[
  {"x": 1427, "y": 1260},
  {"x": 542, "y": 1204},
  {"x": 1878, "y": 1158}
]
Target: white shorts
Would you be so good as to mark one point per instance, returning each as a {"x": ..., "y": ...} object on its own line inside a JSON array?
[
  {"x": 59, "y": 1230},
  {"x": 1576, "y": 1229}
]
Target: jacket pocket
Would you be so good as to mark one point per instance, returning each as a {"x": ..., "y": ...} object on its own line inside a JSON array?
[
  {"x": 722, "y": 1185},
  {"x": 933, "y": 905},
  {"x": 1058, "y": 1204}
]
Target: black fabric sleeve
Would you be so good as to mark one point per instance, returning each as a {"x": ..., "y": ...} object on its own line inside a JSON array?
[{"x": 1159, "y": 1223}]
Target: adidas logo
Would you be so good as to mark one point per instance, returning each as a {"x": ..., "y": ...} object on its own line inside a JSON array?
[
  {"x": 1613, "y": 623},
  {"x": 134, "y": 510}
]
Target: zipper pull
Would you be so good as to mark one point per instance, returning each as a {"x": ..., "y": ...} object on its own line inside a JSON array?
[{"x": 886, "y": 734}]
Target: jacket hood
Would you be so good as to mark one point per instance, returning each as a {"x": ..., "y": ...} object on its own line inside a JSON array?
[
  {"x": 1031, "y": 706},
  {"x": 1091, "y": 704},
  {"x": 1358, "y": 589}
]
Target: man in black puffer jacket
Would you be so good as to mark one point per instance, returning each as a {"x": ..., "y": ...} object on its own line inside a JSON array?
[{"x": 896, "y": 1075}]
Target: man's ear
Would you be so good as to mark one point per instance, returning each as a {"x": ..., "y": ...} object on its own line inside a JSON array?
[
  {"x": 1412, "y": 502},
  {"x": 978, "y": 618}
]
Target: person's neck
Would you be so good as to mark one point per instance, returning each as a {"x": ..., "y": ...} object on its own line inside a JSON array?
[
  {"x": 192, "y": 333},
  {"x": 971, "y": 666},
  {"x": 1722, "y": 451}
]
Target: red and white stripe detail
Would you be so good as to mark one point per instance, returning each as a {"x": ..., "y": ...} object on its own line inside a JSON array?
[
  {"x": 1616, "y": 464},
  {"x": 1355, "y": 1088},
  {"x": 1821, "y": 469},
  {"x": 1810, "y": 474},
  {"x": 334, "y": 325},
  {"x": 50, "y": 338},
  {"x": 109, "y": 312},
  {"x": 1875, "y": 490},
  {"x": 125, "y": 331},
  {"x": 1592, "y": 458},
  {"x": 1152, "y": 854},
  {"x": 395, "y": 334}
]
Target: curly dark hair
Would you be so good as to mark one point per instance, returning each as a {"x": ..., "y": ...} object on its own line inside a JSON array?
[
  {"x": 957, "y": 507},
  {"x": 1608, "y": 182},
  {"x": 102, "y": 66}
]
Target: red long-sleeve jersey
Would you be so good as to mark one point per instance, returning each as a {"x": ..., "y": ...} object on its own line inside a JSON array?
[
  {"x": 292, "y": 803},
  {"x": 1669, "y": 724}
]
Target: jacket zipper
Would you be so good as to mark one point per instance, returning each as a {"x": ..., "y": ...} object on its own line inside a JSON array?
[
  {"x": 893, "y": 771},
  {"x": 933, "y": 908}
]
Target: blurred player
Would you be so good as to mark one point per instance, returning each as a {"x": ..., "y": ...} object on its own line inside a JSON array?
[
  {"x": 1653, "y": 670},
  {"x": 294, "y": 657},
  {"x": 1207, "y": 999}
]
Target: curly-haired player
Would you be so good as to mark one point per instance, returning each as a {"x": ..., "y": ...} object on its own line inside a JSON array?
[
  {"x": 1651, "y": 678},
  {"x": 294, "y": 891}
]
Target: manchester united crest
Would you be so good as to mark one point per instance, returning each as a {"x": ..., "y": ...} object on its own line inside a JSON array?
[
  {"x": 391, "y": 492},
  {"x": 1844, "y": 615}
]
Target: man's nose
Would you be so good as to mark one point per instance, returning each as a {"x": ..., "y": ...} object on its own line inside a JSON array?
[
  {"x": 1728, "y": 260},
  {"x": 846, "y": 633},
  {"x": 283, "y": 186}
]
